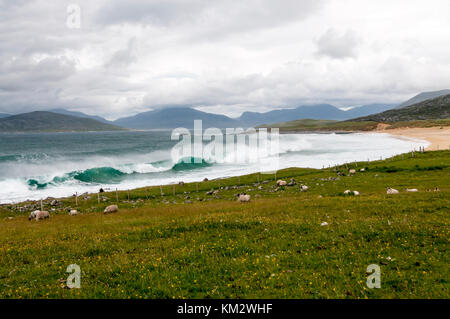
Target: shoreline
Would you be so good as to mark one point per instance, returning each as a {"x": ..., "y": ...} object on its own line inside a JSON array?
[{"x": 438, "y": 137}]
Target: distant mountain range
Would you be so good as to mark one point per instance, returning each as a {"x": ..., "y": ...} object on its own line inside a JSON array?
[
  {"x": 42, "y": 121},
  {"x": 174, "y": 117},
  {"x": 80, "y": 114},
  {"x": 436, "y": 108},
  {"x": 184, "y": 116},
  {"x": 314, "y": 112},
  {"x": 423, "y": 97}
]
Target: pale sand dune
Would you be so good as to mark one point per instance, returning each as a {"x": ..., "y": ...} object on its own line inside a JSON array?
[{"x": 439, "y": 138}]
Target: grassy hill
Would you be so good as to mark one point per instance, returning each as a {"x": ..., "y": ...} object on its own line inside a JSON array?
[
  {"x": 40, "y": 121},
  {"x": 194, "y": 245},
  {"x": 423, "y": 97},
  {"x": 437, "y": 108},
  {"x": 309, "y": 125},
  {"x": 434, "y": 112}
]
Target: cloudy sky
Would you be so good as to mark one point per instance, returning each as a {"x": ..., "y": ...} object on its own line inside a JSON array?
[{"x": 222, "y": 56}]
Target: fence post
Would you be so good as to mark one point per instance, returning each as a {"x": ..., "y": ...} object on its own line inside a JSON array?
[
  {"x": 76, "y": 198},
  {"x": 117, "y": 196}
]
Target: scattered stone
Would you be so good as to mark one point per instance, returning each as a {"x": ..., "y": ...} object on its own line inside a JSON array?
[
  {"x": 55, "y": 203},
  {"x": 324, "y": 224}
]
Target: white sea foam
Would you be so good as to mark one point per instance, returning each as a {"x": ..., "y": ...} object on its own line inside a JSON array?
[{"x": 296, "y": 150}]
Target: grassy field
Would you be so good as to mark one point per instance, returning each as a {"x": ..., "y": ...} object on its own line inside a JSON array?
[
  {"x": 308, "y": 125},
  {"x": 351, "y": 126},
  {"x": 195, "y": 245}
]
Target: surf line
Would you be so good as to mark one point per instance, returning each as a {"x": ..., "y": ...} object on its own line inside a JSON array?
[{"x": 259, "y": 146}]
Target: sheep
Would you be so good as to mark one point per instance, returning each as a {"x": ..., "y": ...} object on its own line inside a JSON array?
[
  {"x": 304, "y": 188},
  {"x": 42, "y": 215},
  {"x": 352, "y": 171},
  {"x": 281, "y": 183},
  {"x": 73, "y": 212},
  {"x": 412, "y": 190},
  {"x": 111, "y": 209},
  {"x": 347, "y": 192},
  {"x": 33, "y": 215},
  {"x": 362, "y": 170},
  {"x": 243, "y": 198},
  {"x": 356, "y": 193},
  {"x": 391, "y": 191}
]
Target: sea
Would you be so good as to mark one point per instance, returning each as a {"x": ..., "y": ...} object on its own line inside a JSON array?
[{"x": 35, "y": 166}]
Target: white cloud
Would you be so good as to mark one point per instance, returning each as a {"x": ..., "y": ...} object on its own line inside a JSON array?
[
  {"x": 338, "y": 46},
  {"x": 224, "y": 56}
]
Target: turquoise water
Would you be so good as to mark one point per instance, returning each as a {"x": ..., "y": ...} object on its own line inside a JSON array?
[{"x": 34, "y": 166}]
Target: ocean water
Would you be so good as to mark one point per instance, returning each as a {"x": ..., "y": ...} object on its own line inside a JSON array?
[{"x": 41, "y": 165}]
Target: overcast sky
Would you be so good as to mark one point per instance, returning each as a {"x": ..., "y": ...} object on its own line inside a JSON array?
[{"x": 221, "y": 56}]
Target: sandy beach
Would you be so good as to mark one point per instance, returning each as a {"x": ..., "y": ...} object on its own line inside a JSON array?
[{"x": 438, "y": 137}]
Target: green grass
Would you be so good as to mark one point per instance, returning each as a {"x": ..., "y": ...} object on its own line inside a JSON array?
[
  {"x": 272, "y": 247},
  {"x": 307, "y": 125},
  {"x": 351, "y": 126}
]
